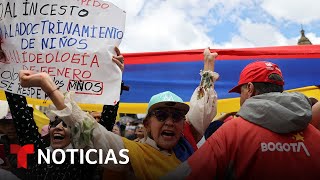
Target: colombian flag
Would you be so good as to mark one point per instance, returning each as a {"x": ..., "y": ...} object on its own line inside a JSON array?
[{"x": 178, "y": 71}]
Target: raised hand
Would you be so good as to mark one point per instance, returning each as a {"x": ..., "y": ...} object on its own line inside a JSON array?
[
  {"x": 31, "y": 79},
  {"x": 119, "y": 59},
  {"x": 43, "y": 80},
  {"x": 209, "y": 59}
]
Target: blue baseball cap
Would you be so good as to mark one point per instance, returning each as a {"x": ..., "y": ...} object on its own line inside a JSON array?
[{"x": 167, "y": 99}]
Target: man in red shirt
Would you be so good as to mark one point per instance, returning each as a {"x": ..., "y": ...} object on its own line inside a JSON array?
[{"x": 271, "y": 138}]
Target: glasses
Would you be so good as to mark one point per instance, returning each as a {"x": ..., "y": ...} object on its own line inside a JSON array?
[
  {"x": 55, "y": 123},
  {"x": 163, "y": 115}
]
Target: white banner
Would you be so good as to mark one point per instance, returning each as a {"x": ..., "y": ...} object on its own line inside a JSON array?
[{"x": 72, "y": 40}]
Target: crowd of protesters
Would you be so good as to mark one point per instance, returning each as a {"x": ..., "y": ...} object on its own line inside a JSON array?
[
  {"x": 129, "y": 126},
  {"x": 274, "y": 135}
]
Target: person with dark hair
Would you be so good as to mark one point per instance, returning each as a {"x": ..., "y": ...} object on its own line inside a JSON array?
[
  {"x": 119, "y": 128},
  {"x": 8, "y": 136},
  {"x": 217, "y": 123},
  {"x": 130, "y": 131},
  {"x": 140, "y": 132},
  {"x": 7, "y": 128},
  {"x": 271, "y": 138}
]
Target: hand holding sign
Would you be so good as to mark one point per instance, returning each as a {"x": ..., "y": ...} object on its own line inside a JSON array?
[
  {"x": 70, "y": 49},
  {"x": 119, "y": 59}
]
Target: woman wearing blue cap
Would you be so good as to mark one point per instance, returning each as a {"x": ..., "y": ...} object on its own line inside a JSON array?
[{"x": 164, "y": 124}]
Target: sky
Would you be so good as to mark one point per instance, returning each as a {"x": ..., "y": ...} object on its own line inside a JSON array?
[{"x": 166, "y": 25}]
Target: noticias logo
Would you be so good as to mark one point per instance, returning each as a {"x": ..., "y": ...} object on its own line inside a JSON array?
[{"x": 84, "y": 155}]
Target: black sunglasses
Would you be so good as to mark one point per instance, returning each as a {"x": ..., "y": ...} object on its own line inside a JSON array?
[
  {"x": 55, "y": 123},
  {"x": 163, "y": 115}
]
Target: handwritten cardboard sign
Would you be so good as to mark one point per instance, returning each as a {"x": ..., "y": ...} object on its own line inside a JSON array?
[{"x": 72, "y": 40}]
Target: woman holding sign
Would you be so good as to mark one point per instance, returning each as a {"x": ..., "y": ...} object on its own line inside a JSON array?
[
  {"x": 60, "y": 138},
  {"x": 165, "y": 123}
]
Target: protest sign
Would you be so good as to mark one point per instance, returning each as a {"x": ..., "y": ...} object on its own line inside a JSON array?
[{"x": 73, "y": 41}]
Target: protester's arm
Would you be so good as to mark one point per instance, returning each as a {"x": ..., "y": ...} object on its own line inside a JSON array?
[
  {"x": 108, "y": 116},
  {"x": 25, "y": 125},
  {"x": 203, "y": 103},
  {"x": 109, "y": 112},
  {"x": 86, "y": 132}
]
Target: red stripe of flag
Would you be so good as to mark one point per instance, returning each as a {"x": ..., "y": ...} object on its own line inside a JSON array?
[{"x": 281, "y": 52}]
